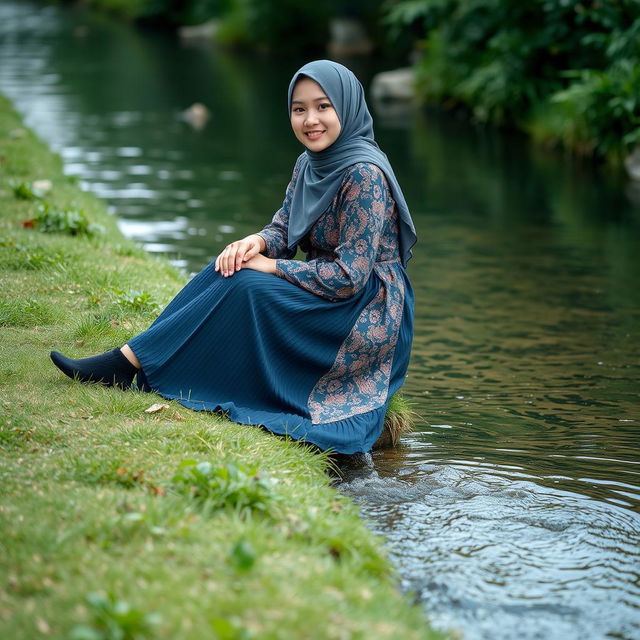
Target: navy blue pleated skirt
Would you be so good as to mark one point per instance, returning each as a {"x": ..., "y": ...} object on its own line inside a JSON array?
[{"x": 254, "y": 346}]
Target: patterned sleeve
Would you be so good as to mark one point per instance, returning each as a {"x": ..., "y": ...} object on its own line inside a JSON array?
[
  {"x": 275, "y": 234},
  {"x": 362, "y": 202}
]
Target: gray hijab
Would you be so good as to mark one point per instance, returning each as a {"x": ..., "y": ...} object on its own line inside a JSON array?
[{"x": 321, "y": 172}]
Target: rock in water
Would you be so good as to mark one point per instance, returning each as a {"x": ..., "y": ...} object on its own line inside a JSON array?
[
  {"x": 204, "y": 31},
  {"x": 196, "y": 115},
  {"x": 394, "y": 85}
]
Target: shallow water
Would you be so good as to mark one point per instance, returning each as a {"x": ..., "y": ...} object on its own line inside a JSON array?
[{"x": 513, "y": 510}]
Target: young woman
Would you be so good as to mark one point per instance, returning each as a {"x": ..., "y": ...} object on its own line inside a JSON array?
[{"x": 312, "y": 349}]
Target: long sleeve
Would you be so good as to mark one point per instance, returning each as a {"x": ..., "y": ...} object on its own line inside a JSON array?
[
  {"x": 360, "y": 214},
  {"x": 276, "y": 233}
]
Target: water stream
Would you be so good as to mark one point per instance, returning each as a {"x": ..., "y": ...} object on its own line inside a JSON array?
[{"x": 513, "y": 509}]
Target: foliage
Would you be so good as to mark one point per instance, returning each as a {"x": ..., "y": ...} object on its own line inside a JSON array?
[
  {"x": 27, "y": 191},
  {"x": 71, "y": 221},
  {"x": 115, "y": 620},
  {"x": 227, "y": 483},
  {"x": 506, "y": 60},
  {"x": 133, "y": 300}
]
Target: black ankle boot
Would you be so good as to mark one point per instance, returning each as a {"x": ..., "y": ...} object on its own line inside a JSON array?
[{"x": 110, "y": 368}]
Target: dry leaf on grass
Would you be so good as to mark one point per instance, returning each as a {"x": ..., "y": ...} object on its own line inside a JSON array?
[{"x": 155, "y": 408}]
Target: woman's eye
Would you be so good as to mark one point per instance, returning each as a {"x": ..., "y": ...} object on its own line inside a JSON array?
[
  {"x": 325, "y": 105},
  {"x": 298, "y": 109}
]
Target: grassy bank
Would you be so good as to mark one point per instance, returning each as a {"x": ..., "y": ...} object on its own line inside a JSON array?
[{"x": 106, "y": 529}]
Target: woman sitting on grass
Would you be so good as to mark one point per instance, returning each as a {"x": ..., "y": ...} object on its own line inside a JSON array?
[{"x": 312, "y": 349}]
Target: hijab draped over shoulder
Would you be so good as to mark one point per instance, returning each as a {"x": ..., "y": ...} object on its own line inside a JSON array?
[{"x": 321, "y": 173}]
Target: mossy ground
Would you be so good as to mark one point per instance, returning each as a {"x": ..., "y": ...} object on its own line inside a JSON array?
[{"x": 88, "y": 505}]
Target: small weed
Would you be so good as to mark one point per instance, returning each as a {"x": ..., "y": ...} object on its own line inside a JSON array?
[
  {"x": 71, "y": 221},
  {"x": 225, "y": 484},
  {"x": 133, "y": 300},
  {"x": 243, "y": 555},
  {"x": 28, "y": 191},
  {"x": 114, "y": 619}
]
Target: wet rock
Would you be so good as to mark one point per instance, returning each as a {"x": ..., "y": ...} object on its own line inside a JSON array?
[
  {"x": 348, "y": 38},
  {"x": 394, "y": 85},
  {"x": 204, "y": 31},
  {"x": 196, "y": 115}
]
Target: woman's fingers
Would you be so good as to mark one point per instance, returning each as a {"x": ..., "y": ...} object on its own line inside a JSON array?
[{"x": 234, "y": 255}]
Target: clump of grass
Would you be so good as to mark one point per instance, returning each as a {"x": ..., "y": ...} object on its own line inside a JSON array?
[
  {"x": 28, "y": 312},
  {"x": 19, "y": 256},
  {"x": 399, "y": 419},
  {"x": 93, "y": 326},
  {"x": 72, "y": 221},
  {"x": 114, "y": 619},
  {"x": 225, "y": 484}
]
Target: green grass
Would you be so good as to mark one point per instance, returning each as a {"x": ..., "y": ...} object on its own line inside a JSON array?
[{"x": 105, "y": 530}]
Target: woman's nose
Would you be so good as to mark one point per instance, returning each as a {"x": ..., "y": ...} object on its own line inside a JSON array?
[{"x": 311, "y": 117}]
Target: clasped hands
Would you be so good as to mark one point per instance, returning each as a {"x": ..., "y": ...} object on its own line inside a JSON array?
[{"x": 245, "y": 254}]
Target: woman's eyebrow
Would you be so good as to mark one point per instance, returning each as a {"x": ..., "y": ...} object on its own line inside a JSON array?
[{"x": 314, "y": 100}]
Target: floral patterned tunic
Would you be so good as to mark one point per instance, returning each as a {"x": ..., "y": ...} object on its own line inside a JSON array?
[{"x": 355, "y": 240}]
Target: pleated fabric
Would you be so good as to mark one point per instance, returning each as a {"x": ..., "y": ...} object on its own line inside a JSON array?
[{"x": 254, "y": 347}]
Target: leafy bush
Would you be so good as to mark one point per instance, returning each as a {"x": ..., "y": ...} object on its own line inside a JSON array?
[
  {"x": 223, "y": 484},
  {"x": 506, "y": 60}
]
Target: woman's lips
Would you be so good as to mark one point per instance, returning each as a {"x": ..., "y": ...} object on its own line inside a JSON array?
[{"x": 313, "y": 135}]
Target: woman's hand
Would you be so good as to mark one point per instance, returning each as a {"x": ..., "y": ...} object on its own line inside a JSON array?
[
  {"x": 241, "y": 251},
  {"x": 261, "y": 263}
]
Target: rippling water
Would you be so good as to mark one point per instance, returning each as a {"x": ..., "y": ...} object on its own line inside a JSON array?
[{"x": 513, "y": 510}]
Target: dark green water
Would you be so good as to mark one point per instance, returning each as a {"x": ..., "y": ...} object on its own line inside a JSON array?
[{"x": 513, "y": 510}]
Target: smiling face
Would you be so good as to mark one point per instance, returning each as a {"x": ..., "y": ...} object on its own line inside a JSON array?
[{"x": 314, "y": 119}]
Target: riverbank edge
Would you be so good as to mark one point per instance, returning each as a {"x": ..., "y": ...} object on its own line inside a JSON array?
[{"x": 89, "y": 505}]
